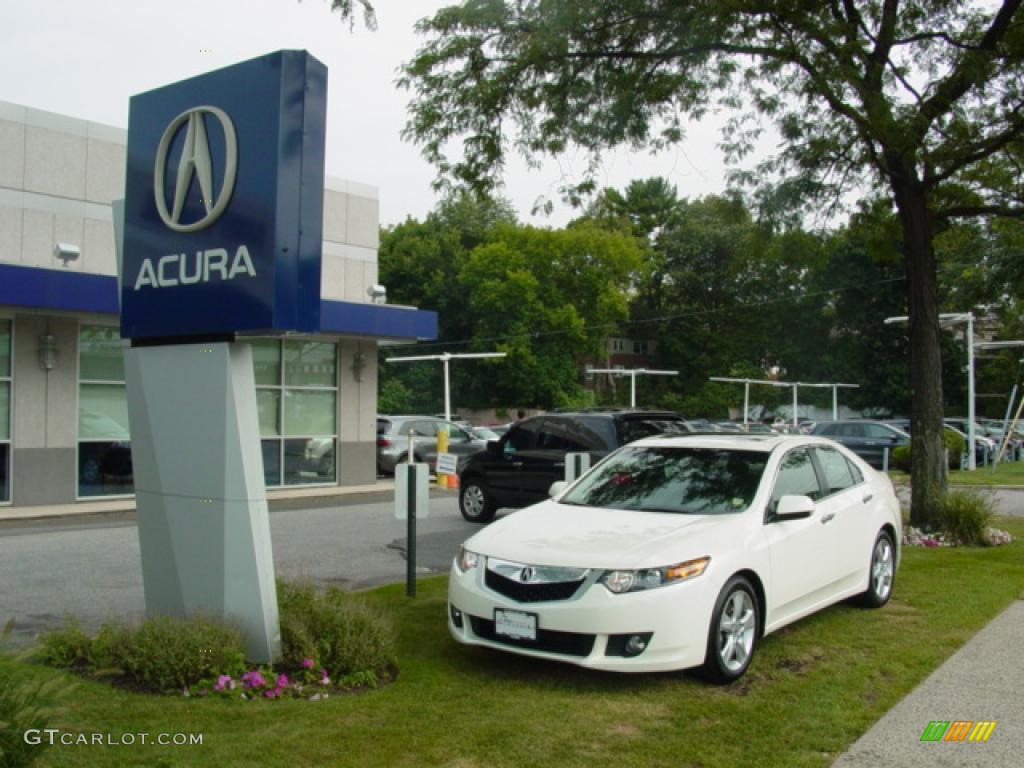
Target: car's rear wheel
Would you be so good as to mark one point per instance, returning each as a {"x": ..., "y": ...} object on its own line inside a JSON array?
[
  {"x": 475, "y": 502},
  {"x": 882, "y": 572},
  {"x": 732, "y": 637}
]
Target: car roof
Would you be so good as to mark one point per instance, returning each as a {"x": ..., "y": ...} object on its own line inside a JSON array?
[{"x": 732, "y": 441}]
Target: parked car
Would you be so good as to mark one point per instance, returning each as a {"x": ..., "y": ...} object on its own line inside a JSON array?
[
  {"x": 679, "y": 552},
  {"x": 980, "y": 447},
  {"x": 518, "y": 469},
  {"x": 868, "y": 439},
  {"x": 393, "y": 441}
]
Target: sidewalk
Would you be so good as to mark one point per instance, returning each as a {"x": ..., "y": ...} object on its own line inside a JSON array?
[
  {"x": 279, "y": 498},
  {"x": 983, "y": 681}
]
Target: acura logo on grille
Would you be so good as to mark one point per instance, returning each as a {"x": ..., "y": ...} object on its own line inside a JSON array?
[{"x": 526, "y": 575}]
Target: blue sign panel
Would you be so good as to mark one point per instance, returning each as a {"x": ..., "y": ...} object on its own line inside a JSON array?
[{"x": 224, "y": 202}]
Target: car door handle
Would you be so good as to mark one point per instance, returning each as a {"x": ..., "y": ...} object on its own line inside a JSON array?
[
  {"x": 558, "y": 464},
  {"x": 517, "y": 463},
  {"x": 827, "y": 518},
  {"x": 868, "y": 498}
]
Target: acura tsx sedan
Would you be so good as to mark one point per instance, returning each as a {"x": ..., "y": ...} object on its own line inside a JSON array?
[{"x": 680, "y": 552}]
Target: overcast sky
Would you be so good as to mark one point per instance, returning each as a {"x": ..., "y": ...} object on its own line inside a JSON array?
[{"x": 85, "y": 58}]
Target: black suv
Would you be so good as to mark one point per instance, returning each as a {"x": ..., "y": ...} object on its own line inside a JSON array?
[{"x": 518, "y": 469}]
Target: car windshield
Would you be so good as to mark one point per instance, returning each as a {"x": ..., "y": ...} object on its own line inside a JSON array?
[{"x": 685, "y": 481}]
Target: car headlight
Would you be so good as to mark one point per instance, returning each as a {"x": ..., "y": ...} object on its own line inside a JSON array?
[
  {"x": 621, "y": 582},
  {"x": 466, "y": 559}
]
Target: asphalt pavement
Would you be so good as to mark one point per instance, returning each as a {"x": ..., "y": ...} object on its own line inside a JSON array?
[{"x": 90, "y": 568}]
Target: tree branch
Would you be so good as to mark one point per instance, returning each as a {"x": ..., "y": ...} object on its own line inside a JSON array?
[
  {"x": 966, "y": 73},
  {"x": 971, "y": 211}
]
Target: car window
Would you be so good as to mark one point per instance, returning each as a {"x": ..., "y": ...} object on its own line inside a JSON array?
[
  {"x": 383, "y": 426},
  {"x": 522, "y": 436},
  {"x": 879, "y": 431},
  {"x": 456, "y": 432},
  {"x": 553, "y": 435},
  {"x": 675, "y": 480},
  {"x": 851, "y": 430},
  {"x": 796, "y": 477},
  {"x": 636, "y": 429},
  {"x": 836, "y": 469},
  {"x": 858, "y": 476},
  {"x": 423, "y": 428}
]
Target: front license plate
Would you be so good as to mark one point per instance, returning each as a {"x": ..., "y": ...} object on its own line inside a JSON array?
[{"x": 515, "y": 624}]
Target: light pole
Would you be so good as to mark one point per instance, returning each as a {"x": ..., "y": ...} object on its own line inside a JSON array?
[
  {"x": 947, "y": 319},
  {"x": 794, "y": 384},
  {"x": 632, "y": 373},
  {"x": 1010, "y": 344},
  {"x": 445, "y": 358}
]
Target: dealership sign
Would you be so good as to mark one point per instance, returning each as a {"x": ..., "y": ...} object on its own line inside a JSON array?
[{"x": 224, "y": 202}]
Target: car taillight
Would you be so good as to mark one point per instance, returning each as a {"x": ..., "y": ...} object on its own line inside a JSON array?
[{"x": 383, "y": 442}]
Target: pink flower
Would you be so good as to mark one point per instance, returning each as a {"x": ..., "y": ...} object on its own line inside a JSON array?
[
  {"x": 324, "y": 679},
  {"x": 307, "y": 663},
  {"x": 282, "y": 681},
  {"x": 271, "y": 694},
  {"x": 253, "y": 680},
  {"x": 224, "y": 681}
]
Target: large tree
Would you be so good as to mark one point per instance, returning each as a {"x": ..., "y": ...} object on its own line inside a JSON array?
[{"x": 919, "y": 102}]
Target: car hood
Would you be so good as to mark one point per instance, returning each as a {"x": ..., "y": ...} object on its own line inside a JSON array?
[{"x": 556, "y": 534}]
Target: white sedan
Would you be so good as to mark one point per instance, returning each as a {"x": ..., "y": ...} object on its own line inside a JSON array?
[{"x": 680, "y": 552}]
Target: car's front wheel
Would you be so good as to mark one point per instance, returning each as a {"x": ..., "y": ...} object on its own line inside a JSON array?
[
  {"x": 475, "y": 502},
  {"x": 732, "y": 636},
  {"x": 881, "y": 574}
]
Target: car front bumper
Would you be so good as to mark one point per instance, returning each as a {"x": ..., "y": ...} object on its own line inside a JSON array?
[{"x": 589, "y": 628}]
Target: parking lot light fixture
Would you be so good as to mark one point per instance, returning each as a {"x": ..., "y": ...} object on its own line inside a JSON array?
[
  {"x": 632, "y": 373},
  {"x": 445, "y": 358}
]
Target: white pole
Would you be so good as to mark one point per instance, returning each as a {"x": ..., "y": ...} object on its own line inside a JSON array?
[
  {"x": 795, "y": 387},
  {"x": 746, "y": 402},
  {"x": 632, "y": 389},
  {"x": 447, "y": 390},
  {"x": 971, "y": 462},
  {"x": 835, "y": 403}
]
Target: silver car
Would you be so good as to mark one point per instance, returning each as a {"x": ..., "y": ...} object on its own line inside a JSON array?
[{"x": 393, "y": 441}]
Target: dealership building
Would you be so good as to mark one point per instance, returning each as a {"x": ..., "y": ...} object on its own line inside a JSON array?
[{"x": 64, "y": 431}]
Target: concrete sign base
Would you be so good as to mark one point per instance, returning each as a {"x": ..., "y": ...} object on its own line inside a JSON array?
[{"x": 204, "y": 531}]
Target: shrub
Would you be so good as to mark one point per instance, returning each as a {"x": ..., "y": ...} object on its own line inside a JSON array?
[
  {"x": 23, "y": 706},
  {"x": 345, "y": 635},
  {"x": 900, "y": 458},
  {"x": 955, "y": 446},
  {"x": 965, "y": 515},
  {"x": 160, "y": 654},
  {"x": 166, "y": 653},
  {"x": 66, "y": 647}
]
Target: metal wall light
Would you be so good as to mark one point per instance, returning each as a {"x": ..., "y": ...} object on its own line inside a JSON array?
[
  {"x": 358, "y": 364},
  {"x": 47, "y": 351}
]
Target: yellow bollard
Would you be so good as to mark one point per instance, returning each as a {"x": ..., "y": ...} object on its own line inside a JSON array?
[{"x": 442, "y": 447}]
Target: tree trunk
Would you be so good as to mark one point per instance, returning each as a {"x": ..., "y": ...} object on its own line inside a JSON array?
[{"x": 927, "y": 446}]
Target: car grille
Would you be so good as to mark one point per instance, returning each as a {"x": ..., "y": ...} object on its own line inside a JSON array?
[
  {"x": 549, "y": 641},
  {"x": 531, "y": 593}
]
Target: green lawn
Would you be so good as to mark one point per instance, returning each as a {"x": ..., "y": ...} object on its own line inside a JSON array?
[
  {"x": 813, "y": 689},
  {"x": 1003, "y": 474}
]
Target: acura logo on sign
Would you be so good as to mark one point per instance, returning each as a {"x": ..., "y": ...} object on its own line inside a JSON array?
[
  {"x": 195, "y": 160},
  {"x": 526, "y": 575}
]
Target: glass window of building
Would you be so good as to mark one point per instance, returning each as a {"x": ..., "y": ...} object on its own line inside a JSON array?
[
  {"x": 5, "y": 411},
  {"x": 104, "y": 448},
  {"x": 297, "y": 398}
]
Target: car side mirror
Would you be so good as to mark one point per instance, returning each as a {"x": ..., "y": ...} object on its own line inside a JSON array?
[
  {"x": 794, "y": 508},
  {"x": 556, "y": 488}
]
